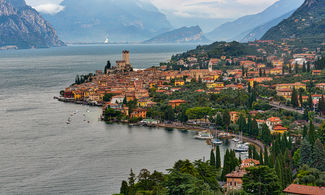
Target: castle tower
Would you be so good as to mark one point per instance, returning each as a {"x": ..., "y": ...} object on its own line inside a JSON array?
[{"x": 126, "y": 56}]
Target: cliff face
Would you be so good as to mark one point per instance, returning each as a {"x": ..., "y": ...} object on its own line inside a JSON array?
[{"x": 22, "y": 27}]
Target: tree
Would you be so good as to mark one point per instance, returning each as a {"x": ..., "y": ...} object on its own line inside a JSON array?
[
  {"x": 266, "y": 156},
  {"x": 261, "y": 157},
  {"x": 226, "y": 165},
  {"x": 310, "y": 102},
  {"x": 218, "y": 158},
  {"x": 294, "y": 98},
  {"x": 305, "y": 152},
  {"x": 219, "y": 121},
  {"x": 278, "y": 170},
  {"x": 212, "y": 158},
  {"x": 132, "y": 189},
  {"x": 108, "y": 66},
  {"x": 304, "y": 69},
  {"x": 296, "y": 68},
  {"x": 321, "y": 105},
  {"x": 261, "y": 180},
  {"x": 296, "y": 158},
  {"x": 300, "y": 97},
  {"x": 266, "y": 134},
  {"x": 107, "y": 97},
  {"x": 305, "y": 131},
  {"x": 311, "y": 133},
  {"x": 308, "y": 67},
  {"x": 124, "y": 188},
  {"x": 318, "y": 160},
  {"x": 226, "y": 119}
]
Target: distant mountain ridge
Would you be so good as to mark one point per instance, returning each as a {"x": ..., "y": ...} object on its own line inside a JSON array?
[
  {"x": 92, "y": 21},
  {"x": 258, "y": 32},
  {"x": 239, "y": 28},
  {"x": 308, "y": 22},
  {"x": 191, "y": 34},
  {"x": 22, "y": 27}
]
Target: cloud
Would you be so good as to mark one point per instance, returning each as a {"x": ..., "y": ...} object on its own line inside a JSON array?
[
  {"x": 183, "y": 8},
  {"x": 49, "y": 8},
  {"x": 212, "y": 8}
]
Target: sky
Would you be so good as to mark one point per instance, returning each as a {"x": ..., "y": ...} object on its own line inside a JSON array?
[{"x": 183, "y": 8}]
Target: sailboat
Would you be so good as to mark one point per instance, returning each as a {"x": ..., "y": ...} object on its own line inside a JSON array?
[{"x": 106, "y": 40}]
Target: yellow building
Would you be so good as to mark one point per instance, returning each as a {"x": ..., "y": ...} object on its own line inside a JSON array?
[{"x": 179, "y": 83}]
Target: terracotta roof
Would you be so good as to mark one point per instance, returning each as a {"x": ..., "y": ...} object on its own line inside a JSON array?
[
  {"x": 305, "y": 190},
  {"x": 236, "y": 174}
]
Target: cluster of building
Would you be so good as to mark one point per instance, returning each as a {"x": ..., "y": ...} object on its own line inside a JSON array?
[{"x": 235, "y": 181}]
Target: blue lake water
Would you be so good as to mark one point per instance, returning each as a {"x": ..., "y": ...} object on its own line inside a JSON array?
[{"x": 41, "y": 154}]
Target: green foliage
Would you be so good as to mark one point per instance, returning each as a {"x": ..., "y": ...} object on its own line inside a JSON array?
[
  {"x": 212, "y": 158},
  {"x": 261, "y": 180},
  {"x": 198, "y": 112},
  {"x": 107, "y": 97},
  {"x": 218, "y": 158},
  {"x": 310, "y": 176},
  {"x": 111, "y": 114},
  {"x": 318, "y": 156}
]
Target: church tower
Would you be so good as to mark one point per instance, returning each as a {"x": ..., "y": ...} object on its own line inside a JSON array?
[{"x": 126, "y": 57}]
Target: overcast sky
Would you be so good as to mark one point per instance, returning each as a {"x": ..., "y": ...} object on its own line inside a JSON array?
[{"x": 184, "y": 8}]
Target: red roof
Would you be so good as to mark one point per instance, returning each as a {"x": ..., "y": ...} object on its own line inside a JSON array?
[{"x": 305, "y": 190}]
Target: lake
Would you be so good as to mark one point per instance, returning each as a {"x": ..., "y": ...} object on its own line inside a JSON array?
[{"x": 41, "y": 154}]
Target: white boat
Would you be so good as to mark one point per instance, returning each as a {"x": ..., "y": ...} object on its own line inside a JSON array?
[
  {"x": 106, "y": 40},
  {"x": 241, "y": 148},
  {"x": 217, "y": 142},
  {"x": 235, "y": 139},
  {"x": 203, "y": 136}
]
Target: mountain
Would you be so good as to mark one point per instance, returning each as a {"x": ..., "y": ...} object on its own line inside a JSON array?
[
  {"x": 307, "y": 23},
  {"x": 22, "y": 27},
  {"x": 258, "y": 32},
  {"x": 93, "y": 20},
  {"x": 239, "y": 28},
  {"x": 191, "y": 34}
]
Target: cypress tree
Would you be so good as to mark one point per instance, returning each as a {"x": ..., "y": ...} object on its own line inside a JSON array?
[
  {"x": 308, "y": 67},
  {"x": 310, "y": 102},
  {"x": 305, "y": 152},
  {"x": 250, "y": 151},
  {"x": 300, "y": 97},
  {"x": 219, "y": 121},
  {"x": 304, "y": 69},
  {"x": 305, "y": 131},
  {"x": 212, "y": 158},
  {"x": 318, "y": 160},
  {"x": 266, "y": 156},
  {"x": 124, "y": 188},
  {"x": 226, "y": 166},
  {"x": 218, "y": 158},
  {"x": 261, "y": 157},
  {"x": 311, "y": 133},
  {"x": 278, "y": 170},
  {"x": 271, "y": 161},
  {"x": 255, "y": 154},
  {"x": 294, "y": 98}
]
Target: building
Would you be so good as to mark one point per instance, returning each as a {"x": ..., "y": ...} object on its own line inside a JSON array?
[
  {"x": 235, "y": 180},
  {"x": 295, "y": 189},
  {"x": 279, "y": 129},
  {"x": 249, "y": 163},
  {"x": 234, "y": 116},
  {"x": 124, "y": 64},
  {"x": 176, "y": 103},
  {"x": 272, "y": 121},
  {"x": 139, "y": 113},
  {"x": 320, "y": 86}
]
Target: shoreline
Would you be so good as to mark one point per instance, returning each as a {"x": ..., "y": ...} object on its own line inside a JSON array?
[{"x": 253, "y": 141}]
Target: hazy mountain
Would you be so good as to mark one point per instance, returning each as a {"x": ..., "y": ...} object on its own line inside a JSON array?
[
  {"x": 258, "y": 32},
  {"x": 22, "y": 27},
  {"x": 93, "y": 20},
  {"x": 308, "y": 22},
  {"x": 191, "y": 34},
  {"x": 239, "y": 28}
]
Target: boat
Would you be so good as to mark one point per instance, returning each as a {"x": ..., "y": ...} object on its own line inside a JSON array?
[
  {"x": 203, "y": 136},
  {"x": 68, "y": 122},
  {"x": 241, "y": 148},
  {"x": 217, "y": 142},
  {"x": 106, "y": 40},
  {"x": 235, "y": 139}
]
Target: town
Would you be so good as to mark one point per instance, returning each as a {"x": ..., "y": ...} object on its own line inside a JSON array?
[{"x": 269, "y": 91}]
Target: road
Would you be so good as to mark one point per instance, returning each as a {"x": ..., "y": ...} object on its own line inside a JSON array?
[{"x": 276, "y": 105}]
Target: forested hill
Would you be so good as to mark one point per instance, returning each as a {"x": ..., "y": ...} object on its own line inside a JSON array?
[
  {"x": 307, "y": 23},
  {"x": 218, "y": 49}
]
